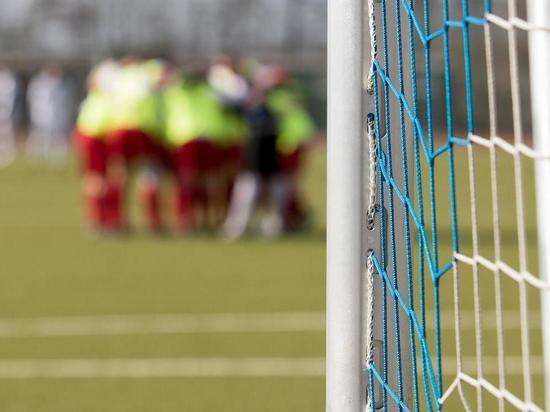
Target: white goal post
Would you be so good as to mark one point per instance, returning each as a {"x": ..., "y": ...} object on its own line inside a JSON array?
[
  {"x": 345, "y": 206},
  {"x": 348, "y": 238},
  {"x": 539, "y": 55}
]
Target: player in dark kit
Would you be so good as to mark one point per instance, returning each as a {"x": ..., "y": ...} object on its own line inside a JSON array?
[{"x": 261, "y": 173}]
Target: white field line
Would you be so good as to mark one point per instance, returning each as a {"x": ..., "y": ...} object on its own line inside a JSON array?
[
  {"x": 161, "y": 368},
  {"x": 209, "y": 367},
  {"x": 163, "y": 324},
  {"x": 112, "y": 325}
]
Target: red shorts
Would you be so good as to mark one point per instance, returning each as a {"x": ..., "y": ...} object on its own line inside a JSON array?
[
  {"x": 92, "y": 151},
  {"x": 232, "y": 155},
  {"x": 198, "y": 155},
  {"x": 291, "y": 162},
  {"x": 133, "y": 145}
]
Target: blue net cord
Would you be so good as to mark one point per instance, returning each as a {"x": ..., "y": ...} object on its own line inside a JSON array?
[{"x": 429, "y": 270}]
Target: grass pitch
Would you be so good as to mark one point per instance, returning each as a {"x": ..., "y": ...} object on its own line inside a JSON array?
[{"x": 50, "y": 268}]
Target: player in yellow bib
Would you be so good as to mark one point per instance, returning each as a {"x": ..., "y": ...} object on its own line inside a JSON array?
[
  {"x": 92, "y": 127},
  {"x": 134, "y": 140},
  {"x": 232, "y": 89},
  {"x": 193, "y": 123}
]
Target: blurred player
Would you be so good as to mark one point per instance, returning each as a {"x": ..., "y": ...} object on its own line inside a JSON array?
[
  {"x": 193, "y": 121},
  {"x": 296, "y": 128},
  {"x": 50, "y": 98},
  {"x": 8, "y": 93},
  {"x": 134, "y": 142},
  {"x": 262, "y": 173},
  {"x": 92, "y": 127},
  {"x": 232, "y": 90}
]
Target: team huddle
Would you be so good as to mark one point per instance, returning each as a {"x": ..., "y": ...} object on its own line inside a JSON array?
[{"x": 231, "y": 137}]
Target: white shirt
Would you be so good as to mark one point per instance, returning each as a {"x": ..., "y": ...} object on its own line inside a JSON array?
[{"x": 51, "y": 104}]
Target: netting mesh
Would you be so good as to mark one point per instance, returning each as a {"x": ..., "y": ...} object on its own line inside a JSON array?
[{"x": 453, "y": 280}]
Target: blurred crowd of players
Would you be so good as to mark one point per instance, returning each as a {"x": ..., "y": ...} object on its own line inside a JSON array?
[{"x": 231, "y": 136}]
